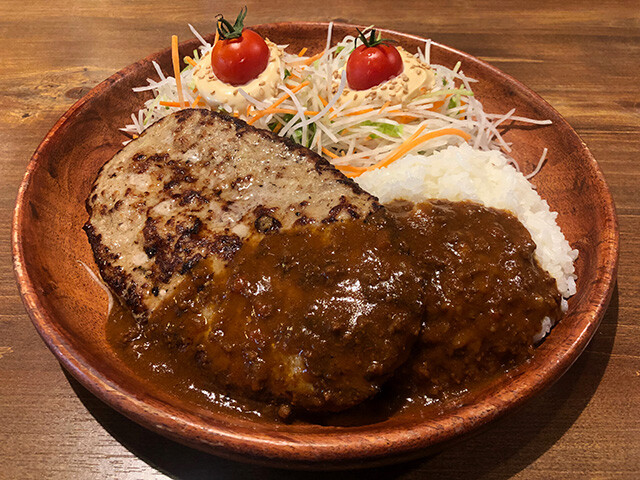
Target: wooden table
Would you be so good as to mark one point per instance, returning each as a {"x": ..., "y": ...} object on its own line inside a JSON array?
[{"x": 582, "y": 57}]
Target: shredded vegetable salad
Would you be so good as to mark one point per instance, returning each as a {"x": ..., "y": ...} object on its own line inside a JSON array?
[{"x": 354, "y": 137}]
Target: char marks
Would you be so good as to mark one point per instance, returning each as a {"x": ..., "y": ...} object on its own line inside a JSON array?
[{"x": 197, "y": 185}]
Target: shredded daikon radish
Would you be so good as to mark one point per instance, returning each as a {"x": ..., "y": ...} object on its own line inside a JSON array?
[
  {"x": 348, "y": 134},
  {"x": 539, "y": 166},
  {"x": 199, "y": 37}
]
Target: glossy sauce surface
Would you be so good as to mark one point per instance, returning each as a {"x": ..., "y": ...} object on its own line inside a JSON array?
[
  {"x": 316, "y": 317},
  {"x": 485, "y": 299},
  {"x": 316, "y": 320}
]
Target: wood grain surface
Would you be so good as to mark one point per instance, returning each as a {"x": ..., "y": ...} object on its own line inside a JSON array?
[{"x": 582, "y": 57}]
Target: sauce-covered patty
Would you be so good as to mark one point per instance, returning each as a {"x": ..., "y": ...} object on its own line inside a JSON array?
[
  {"x": 315, "y": 318},
  {"x": 486, "y": 297},
  {"x": 319, "y": 318},
  {"x": 199, "y": 184}
]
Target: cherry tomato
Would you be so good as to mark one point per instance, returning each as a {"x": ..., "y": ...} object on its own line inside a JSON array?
[
  {"x": 237, "y": 61},
  {"x": 370, "y": 66}
]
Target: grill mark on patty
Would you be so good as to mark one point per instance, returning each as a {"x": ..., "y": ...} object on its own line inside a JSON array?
[
  {"x": 162, "y": 210},
  {"x": 265, "y": 221},
  {"x": 343, "y": 206},
  {"x": 121, "y": 283},
  {"x": 304, "y": 220},
  {"x": 191, "y": 197}
]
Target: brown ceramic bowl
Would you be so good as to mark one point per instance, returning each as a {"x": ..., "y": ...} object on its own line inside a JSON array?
[{"x": 68, "y": 309}]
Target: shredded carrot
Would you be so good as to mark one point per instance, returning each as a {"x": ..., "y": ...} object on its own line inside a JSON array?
[
  {"x": 176, "y": 68},
  {"x": 249, "y": 108},
  {"x": 295, "y": 77},
  {"x": 349, "y": 168},
  {"x": 287, "y": 110},
  {"x": 361, "y": 112},
  {"x": 236, "y": 114},
  {"x": 440, "y": 103},
  {"x": 190, "y": 61},
  {"x": 413, "y": 142},
  {"x": 324, "y": 104},
  {"x": 405, "y": 118},
  {"x": 277, "y": 128},
  {"x": 401, "y": 118},
  {"x": 310, "y": 60},
  {"x": 196, "y": 101},
  {"x": 386, "y": 104},
  {"x": 417, "y": 132},
  {"x": 269, "y": 109},
  {"x": 329, "y": 153},
  {"x": 293, "y": 112},
  {"x": 347, "y": 172},
  {"x": 353, "y": 114},
  {"x": 437, "y": 105},
  {"x": 296, "y": 89},
  {"x": 170, "y": 104},
  {"x": 303, "y": 51},
  {"x": 408, "y": 145}
]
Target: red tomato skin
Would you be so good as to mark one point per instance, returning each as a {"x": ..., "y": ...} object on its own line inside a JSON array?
[
  {"x": 370, "y": 66},
  {"x": 237, "y": 61}
]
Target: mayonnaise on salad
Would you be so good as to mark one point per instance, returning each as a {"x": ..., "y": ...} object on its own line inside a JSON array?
[
  {"x": 217, "y": 93},
  {"x": 417, "y": 78}
]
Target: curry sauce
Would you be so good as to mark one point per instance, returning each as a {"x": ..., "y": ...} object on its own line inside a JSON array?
[
  {"x": 414, "y": 304},
  {"x": 486, "y": 296}
]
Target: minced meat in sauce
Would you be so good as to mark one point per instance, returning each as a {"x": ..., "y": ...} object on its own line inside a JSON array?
[
  {"x": 435, "y": 298},
  {"x": 485, "y": 299},
  {"x": 315, "y": 318}
]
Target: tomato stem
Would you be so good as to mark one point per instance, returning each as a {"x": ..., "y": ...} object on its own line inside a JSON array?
[
  {"x": 373, "y": 40},
  {"x": 228, "y": 31}
]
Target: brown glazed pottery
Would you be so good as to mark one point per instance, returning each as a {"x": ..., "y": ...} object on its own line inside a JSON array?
[{"x": 68, "y": 309}]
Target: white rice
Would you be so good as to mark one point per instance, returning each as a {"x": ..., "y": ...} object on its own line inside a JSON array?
[{"x": 461, "y": 173}]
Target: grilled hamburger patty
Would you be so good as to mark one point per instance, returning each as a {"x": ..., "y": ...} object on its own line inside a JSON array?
[
  {"x": 256, "y": 260},
  {"x": 198, "y": 184}
]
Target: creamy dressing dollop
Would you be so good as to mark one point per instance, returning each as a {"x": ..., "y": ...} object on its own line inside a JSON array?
[
  {"x": 416, "y": 78},
  {"x": 217, "y": 93}
]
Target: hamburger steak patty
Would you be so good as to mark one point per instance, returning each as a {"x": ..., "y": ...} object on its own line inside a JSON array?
[
  {"x": 198, "y": 184},
  {"x": 256, "y": 260}
]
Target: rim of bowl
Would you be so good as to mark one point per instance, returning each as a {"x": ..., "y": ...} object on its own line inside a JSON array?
[{"x": 226, "y": 439}]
